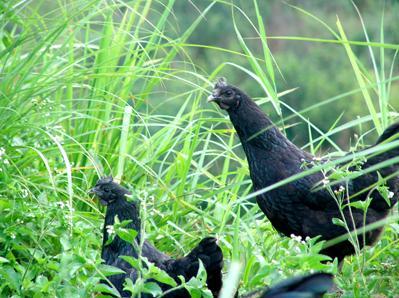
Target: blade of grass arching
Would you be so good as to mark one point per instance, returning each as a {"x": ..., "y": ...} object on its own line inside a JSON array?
[
  {"x": 102, "y": 65},
  {"x": 260, "y": 75},
  {"x": 48, "y": 168},
  {"x": 22, "y": 71},
  {"x": 384, "y": 99},
  {"x": 128, "y": 50},
  {"x": 69, "y": 85},
  {"x": 226, "y": 167},
  {"x": 156, "y": 39},
  {"x": 176, "y": 45},
  {"x": 347, "y": 125},
  {"x": 265, "y": 47},
  {"x": 323, "y": 138},
  {"x": 189, "y": 145},
  {"x": 256, "y": 78},
  {"x": 312, "y": 149},
  {"x": 391, "y": 78},
  {"x": 333, "y": 41},
  {"x": 359, "y": 77},
  {"x": 133, "y": 49},
  {"x": 380, "y": 86},
  {"x": 323, "y": 135},
  {"x": 161, "y": 139},
  {"x": 123, "y": 142},
  {"x": 324, "y": 24},
  {"x": 68, "y": 171},
  {"x": 200, "y": 166}
]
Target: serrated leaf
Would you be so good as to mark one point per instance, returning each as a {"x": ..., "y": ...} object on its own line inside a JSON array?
[
  {"x": 338, "y": 222},
  {"x": 108, "y": 270},
  {"x": 127, "y": 235},
  {"x": 161, "y": 276},
  {"x": 103, "y": 288},
  {"x": 152, "y": 288},
  {"x": 362, "y": 205},
  {"x": 132, "y": 261}
]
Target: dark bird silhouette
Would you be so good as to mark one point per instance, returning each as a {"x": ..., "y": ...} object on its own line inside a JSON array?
[
  {"x": 309, "y": 286},
  {"x": 113, "y": 196},
  {"x": 302, "y": 207}
]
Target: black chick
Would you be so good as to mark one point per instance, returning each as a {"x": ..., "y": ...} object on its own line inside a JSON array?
[
  {"x": 297, "y": 207},
  {"x": 113, "y": 196},
  {"x": 309, "y": 286}
]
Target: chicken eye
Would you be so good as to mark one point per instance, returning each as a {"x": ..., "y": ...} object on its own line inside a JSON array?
[
  {"x": 228, "y": 93},
  {"x": 106, "y": 189}
]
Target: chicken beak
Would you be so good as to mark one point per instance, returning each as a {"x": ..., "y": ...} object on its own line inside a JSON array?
[
  {"x": 92, "y": 191},
  {"x": 212, "y": 98}
]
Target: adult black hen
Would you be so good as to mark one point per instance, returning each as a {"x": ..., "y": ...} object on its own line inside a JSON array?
[
  {"x": 113, "y": 196},
  {"x": 301, "y": 207}
]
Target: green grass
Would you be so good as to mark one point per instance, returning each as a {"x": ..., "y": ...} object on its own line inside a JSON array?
[{"x": 82, "y": 92}]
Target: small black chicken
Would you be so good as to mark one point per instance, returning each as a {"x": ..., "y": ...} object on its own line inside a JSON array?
[
  {"x": 302, "y": 207},
  {"x": 113, "y": 195}
]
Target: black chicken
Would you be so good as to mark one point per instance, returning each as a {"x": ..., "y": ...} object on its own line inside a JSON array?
[
  {"x": 113, "y": 195},
  {"x": 310, "y": 286},
  {"x": 302, "y": 207}
]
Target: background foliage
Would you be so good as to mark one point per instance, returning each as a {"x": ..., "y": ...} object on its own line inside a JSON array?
[{"x": 93, "y": 87}]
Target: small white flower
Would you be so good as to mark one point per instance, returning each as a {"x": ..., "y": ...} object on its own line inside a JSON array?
[
  {"x": 296, "y": 238},
  {"x": 2, "y": 152},
  {"x": 61, "y": 204},
  {"x": 325, "y": 181},
  {"x": 390, "y": 195},
  {"x": 24, "y": 193},
  {"x": 6, "y": 162},
  {"x": 316, "y": 158},
  {"x": 307, "y": 238},
  {"x": 341, "y": 188},
  {"x": 110, "y": 230},
  {"x": 12, "y": 235}
]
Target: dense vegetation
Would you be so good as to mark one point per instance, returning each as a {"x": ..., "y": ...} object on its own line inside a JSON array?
[{"x": 91, "y": 88}]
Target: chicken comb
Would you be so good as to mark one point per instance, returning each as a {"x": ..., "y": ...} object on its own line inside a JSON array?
[
  {"x": 221, "y": 82},
  {"x": 105, "y": 180}
]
